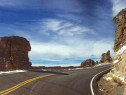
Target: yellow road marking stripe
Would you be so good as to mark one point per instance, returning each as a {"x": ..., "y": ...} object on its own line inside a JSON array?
[
  {"x": 22, "y": 84},
  {"x": 4, "y": 92}
]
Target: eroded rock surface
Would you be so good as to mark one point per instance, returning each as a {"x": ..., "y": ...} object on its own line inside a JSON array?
[
  {"x": 87, "y": 63},
  {"x": 106, "y": 58},
  {"x": 14, "y": 53},
  {"x": 114, "y": 82},
  {"x": 120, "y": 30}
]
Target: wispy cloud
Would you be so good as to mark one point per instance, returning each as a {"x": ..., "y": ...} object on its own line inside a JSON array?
[
  {"x": 73, "y": 17},
  {"x": 62, "y": 39},
  {"x": 59, "y": 29},
  {"x": 51, "y": 24},
  {"x": 64, "y": 28}
]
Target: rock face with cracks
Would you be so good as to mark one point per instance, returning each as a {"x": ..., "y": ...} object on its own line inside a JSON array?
[
  {"x": 114, "y": 82},
  {"x": 14, "y": 53}
]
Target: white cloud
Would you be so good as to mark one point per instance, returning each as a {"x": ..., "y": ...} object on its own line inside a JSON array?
[
  {"x": 66, "y": 40},
  {"x": 51, "y": 24},
  {"x": 76, "y": 18},
  {"x": 75, "y": 30},
  {"x": 78, "y": 49},
  {"x": 63, "y": 27},
  {"x": 118, "y": 5},
  {"x": 102, "y": 46}
]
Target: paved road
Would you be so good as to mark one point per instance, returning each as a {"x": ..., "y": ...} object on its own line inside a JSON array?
[{"x": 72, "y": 83}]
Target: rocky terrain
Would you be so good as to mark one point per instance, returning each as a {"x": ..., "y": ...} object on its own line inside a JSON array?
[
  {"x": 114, "y": 82},
  {"x": 88, "y": 63},
  {"x": 14, "y": 53},
  {"x": 105, "y": 57}
]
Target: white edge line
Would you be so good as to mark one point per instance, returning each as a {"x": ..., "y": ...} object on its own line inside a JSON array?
[{"x": 91, "y": 86}]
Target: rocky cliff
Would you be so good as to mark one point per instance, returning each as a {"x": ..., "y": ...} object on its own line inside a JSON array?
[
  {"x": 105, "y": 57},
  {"x": 14, "y": 53},
  {"x": 87, "y": 63},
  {"x": 120, "y": 30},
  {"x": 114, "y": 82}
]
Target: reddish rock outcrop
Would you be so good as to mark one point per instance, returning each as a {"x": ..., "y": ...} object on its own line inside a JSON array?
[
  {"x": 106, "y": 58},
  {"x": 87, "y": 63},
  {"x": 14, "y": 53}
]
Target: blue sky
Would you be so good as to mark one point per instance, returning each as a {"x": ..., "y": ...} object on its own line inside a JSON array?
[{"x": 61, "y": 32}]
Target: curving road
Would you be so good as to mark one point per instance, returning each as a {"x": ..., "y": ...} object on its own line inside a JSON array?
[{"x": 67, "y": 83}]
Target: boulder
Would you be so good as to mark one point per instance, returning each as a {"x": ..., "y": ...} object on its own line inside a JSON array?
[
  {"x": 87, "y": 63},
  {"x": 14, "y": 53}
]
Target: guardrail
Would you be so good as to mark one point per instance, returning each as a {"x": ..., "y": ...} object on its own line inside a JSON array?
[{"x": 93, "y": 83}]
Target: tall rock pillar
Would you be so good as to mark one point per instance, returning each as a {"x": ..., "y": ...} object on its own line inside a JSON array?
[{"x": 14, "y": 53}]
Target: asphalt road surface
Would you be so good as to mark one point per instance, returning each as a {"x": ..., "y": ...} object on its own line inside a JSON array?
[{"x": 48, "y": 83}]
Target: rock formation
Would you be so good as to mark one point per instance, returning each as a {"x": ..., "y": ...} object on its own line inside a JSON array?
[
  {"x": 120, "y": 30},
  {"x": 14, "y": 53},
  {"x": 97, "y": 62},
  {"x": 87, "y": 63},
  {"x": 106, "y": 58},
  {"x": 114, "y": 82}
]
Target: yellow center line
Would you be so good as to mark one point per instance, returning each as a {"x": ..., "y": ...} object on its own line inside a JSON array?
[
  {"x": 5, "y": 92},
  {"x": 22, "y": 84}
]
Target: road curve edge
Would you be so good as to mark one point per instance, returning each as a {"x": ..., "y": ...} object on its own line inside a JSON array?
[{"x": 95, "y": 76}]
